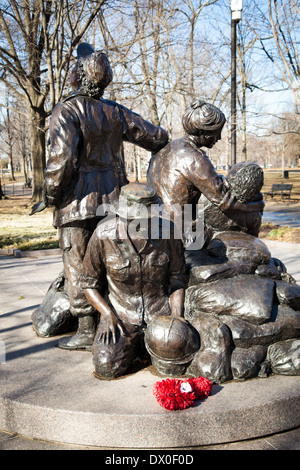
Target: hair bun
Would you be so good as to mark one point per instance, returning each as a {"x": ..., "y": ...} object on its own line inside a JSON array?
[
  {"x": 202, "y": 116},
  {"x": 197, "y": 104}
]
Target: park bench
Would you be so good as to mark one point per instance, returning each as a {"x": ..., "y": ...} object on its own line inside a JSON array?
[{"x": 283, "y": 190}]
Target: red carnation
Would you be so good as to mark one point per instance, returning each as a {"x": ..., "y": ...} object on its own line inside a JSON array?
[
  {"x": 170, "y": 396},
  {"x": 201, "y": 387}
]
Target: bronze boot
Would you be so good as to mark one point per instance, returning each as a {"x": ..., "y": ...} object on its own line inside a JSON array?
[{"x": 84, "y": 337}]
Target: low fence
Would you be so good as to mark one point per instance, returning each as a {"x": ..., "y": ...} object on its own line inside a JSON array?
[{"x": 15, "y": 189}]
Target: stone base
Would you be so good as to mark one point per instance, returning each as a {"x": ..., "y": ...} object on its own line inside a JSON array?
[{"x": 52, "y": 394}]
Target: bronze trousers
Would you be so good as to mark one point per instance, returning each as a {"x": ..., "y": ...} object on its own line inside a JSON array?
[{"x": 73, "y": 241}]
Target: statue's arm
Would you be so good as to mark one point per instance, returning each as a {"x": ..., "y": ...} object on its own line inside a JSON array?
[
  {"x": 141, "y": 132},
  {"x": 177, "y": 276},
  {"x": 202, "y": 174},
  {"x": 109, "y": 322},
  {"x": 92, "y": 281},
  {"x": 248, "y": 207},
  {"x": 177, "y": 302}
]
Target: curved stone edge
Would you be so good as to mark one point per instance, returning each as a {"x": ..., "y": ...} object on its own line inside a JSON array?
[{"x": 225, "y": 420}]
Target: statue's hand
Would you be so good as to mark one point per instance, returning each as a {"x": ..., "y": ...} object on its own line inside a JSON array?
[
  {"x": 224, "y": 181},
  {"x": 109, "y": 328},
  {"x": 38, "y": 207}
]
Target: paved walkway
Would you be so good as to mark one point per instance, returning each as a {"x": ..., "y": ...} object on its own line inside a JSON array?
[
  {"x": 282, "y": 213},
  {"x": 33, "y": 381}
]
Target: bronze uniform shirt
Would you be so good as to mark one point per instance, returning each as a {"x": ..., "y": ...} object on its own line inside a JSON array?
[{"x": 139, "y": 282}]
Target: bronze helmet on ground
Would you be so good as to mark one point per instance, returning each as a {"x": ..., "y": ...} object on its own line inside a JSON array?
[{"x": 172, "y": 343}]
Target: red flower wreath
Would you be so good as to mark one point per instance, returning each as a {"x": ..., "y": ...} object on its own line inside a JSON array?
[
  {"x": 176, "y": 394},
  {"x": 201, "y": 387},
  {"x": 169, "y": 395}
]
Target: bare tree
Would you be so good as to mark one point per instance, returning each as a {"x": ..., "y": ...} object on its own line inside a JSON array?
[
  {"x": 134, "y": 39},
  {"x": 155, "y": 63},
  {"x": 37, "y": 41},
  {"x": 278, "y": 32},
  {"x": 192, "y": 11}
]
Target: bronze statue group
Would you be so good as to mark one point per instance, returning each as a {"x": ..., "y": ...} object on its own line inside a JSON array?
[{"x": 127, "y": 288}]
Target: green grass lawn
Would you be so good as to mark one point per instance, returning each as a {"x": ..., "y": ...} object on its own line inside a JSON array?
[{"x": 24, "y": 232}]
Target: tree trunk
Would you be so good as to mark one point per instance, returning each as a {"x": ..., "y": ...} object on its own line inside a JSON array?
[
  {"x": 9, "y": 140},
  {"x": 25, "y": 168},
  {"x": 38, "y": 153},
  {"x": 11, "y": 163},
  {"x": 191, "y": 57}
]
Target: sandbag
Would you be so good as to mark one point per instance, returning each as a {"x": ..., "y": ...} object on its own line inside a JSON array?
[
  {"x": 213, "y": 358},
  {"x": 246, "y": 363},
  {"x": 268, "y": 270},
  {"x": 288, "y": 294},
  {"x": 239, "y": 246},
  {"x": 214, "y": 272},
  {"x": 284, "y": 324},
  {"x": 53, "y": 316},
  {"x": 247, "y": 297},
  {"x": 284, "y": 357}
]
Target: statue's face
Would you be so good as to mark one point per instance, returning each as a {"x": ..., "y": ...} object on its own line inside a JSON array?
[{"x": 209, "y": 139}]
